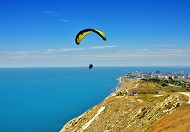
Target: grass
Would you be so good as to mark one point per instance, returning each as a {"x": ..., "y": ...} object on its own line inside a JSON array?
[
  {"x": 147, "y": 97},
  {"x": 176, "y": 121},
  {"x": 154, "y": 86}
]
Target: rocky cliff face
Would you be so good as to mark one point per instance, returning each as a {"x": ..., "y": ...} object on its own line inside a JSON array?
[{"x": 140, "y": 111}]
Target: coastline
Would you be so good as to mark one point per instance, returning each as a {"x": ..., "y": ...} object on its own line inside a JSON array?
[
  {"x": 120, "y": 93},
  {"x": 64, "y": 128},
  {"x": 120, "y": 81},
  {"x": 126, "y": 109}
]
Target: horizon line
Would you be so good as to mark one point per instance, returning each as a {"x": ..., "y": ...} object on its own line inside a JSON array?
[{"x": 87, "y": 66}]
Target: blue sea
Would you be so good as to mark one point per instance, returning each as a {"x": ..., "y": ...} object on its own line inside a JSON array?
[{"x": 44, "y": 99}]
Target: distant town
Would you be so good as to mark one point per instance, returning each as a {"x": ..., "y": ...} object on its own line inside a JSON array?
[{"x": 179, "y": 79}]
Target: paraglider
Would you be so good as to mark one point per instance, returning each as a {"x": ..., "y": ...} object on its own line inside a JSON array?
[{"x": 85, "y": 32}]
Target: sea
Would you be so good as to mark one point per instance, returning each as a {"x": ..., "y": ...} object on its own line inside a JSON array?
[{"x": 44, "y": 99}]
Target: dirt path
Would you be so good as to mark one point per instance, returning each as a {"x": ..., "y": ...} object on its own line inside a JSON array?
[{"x": 91, "y": 120}]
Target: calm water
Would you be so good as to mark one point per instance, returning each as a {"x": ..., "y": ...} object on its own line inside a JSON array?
[{"x": 44, "y": 99}]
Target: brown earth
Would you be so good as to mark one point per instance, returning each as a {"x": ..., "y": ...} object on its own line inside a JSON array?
[{"x": 136, "y": 106}]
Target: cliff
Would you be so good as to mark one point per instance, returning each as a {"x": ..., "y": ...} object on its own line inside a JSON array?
[{"x": 137, "y": 105}]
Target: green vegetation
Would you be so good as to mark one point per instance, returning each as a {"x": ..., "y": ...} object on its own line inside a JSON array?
[
  {"x": 170, "y": 83},
  {"x": 151, "y": 88},
  {"x": 147, "y": 97}
]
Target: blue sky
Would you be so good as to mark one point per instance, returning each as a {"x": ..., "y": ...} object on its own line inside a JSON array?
[{"x": 38, "y": 33}]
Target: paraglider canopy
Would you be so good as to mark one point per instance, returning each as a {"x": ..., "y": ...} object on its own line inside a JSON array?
[
  {"x": 85, "y": 32},
  {"x": 90, "y": 66}
]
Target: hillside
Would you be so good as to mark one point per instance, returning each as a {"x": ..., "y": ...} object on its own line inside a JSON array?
[{"x": 137, "y": 105}]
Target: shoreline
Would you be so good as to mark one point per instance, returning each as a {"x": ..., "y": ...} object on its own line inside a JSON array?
[
  {"x": 112, "y": 114},
  {"x": 120, "y": 81},
  {"x": 83, "y": 121},
  {"x": 64, "y": 128}
]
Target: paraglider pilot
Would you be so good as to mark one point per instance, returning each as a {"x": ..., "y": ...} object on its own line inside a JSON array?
[{"x": 90, "y": 66}]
